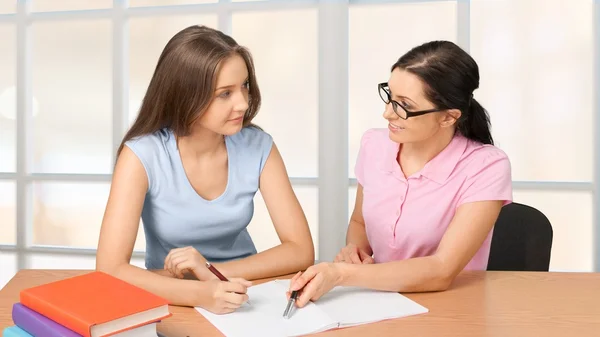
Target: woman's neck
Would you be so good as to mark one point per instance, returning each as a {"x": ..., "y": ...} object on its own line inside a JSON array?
[
  {"x": 201, "y": 143},
  {"x": 416, "y": 155}
]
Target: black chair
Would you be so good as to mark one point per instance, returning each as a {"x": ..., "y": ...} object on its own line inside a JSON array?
[{"x": 521, "y": 241}]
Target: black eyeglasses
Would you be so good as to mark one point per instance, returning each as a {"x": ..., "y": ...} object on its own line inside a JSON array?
[{"x": 384, "y": 93}]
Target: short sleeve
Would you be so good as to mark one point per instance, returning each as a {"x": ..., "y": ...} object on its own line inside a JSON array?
[
  {"x": 147, "y": 148},
  {"x": 491, "y": 179},
  {"x": 362, "y": 157},
  {"x": 266, "y": 144},
  {"x": 257, "y": 143}
]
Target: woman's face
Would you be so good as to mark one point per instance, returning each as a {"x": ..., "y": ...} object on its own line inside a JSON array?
[
  {"x": 408, "y": 90},
  {"x": 225, "y": 114}
]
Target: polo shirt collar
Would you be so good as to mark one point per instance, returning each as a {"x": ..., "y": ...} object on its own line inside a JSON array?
[{"x": 437, "y": 169}]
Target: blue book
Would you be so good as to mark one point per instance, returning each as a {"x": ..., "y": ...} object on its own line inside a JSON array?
[{"x": 15, "y": 331}]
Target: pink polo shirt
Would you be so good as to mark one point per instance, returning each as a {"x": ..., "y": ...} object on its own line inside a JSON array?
[{"x": 407, "y": 218}]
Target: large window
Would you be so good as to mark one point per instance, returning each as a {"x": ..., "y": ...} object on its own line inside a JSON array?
[{"x": 73, "y": 74}]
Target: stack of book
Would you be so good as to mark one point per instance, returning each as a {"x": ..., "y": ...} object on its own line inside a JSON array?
[{"x": 90, "y": 305}]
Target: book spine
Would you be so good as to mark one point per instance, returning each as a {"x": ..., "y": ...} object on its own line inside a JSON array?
[
  {"x": 37, "y": 324},
  {"x": 15, "y": 331},
  {"x": 59, "y": 316}
]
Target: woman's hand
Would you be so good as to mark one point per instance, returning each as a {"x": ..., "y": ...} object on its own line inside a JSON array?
[
  {"x": 315, "y": 282},
  {"x": 181, "y": 260},
  {"x": 222, "y": 297},
  {"x": 352, "y": 254}
]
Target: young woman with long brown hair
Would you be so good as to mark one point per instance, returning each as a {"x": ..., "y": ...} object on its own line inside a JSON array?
[{"x": 190, "y": 166}]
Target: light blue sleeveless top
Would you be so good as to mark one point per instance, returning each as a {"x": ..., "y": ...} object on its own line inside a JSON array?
[{"x": 175, "y": 216}]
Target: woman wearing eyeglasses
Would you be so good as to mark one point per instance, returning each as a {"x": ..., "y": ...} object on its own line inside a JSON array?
[{"x": 430, "y": 186}]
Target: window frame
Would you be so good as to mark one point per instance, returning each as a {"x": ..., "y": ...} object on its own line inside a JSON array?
[{"x": 333, "y": 179}]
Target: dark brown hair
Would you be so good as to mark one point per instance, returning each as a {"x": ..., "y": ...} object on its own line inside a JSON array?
[
  {"x": 450, "y": 75},
  {"x": 184, "y": 81}
]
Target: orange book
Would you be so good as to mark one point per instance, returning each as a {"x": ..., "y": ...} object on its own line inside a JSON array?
[{"x": 96, "y": 304}]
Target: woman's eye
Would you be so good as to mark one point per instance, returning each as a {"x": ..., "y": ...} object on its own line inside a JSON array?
[
  {"x": 225, "y": 94},
  {"x": 405, "y": 105}
]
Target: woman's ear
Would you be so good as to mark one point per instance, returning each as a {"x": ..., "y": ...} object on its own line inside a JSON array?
[{"x": 450, "y": 117}]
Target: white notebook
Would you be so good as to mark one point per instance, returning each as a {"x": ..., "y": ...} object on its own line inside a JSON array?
[{"x": 341, "y": 307}]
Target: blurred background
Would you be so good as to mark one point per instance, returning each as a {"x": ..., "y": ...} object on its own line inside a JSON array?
[{"x": 73, "y": 74}]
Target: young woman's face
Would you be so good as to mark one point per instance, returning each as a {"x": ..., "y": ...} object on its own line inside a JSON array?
[
  {"x": 408, "y": 90},
  {"x": 225, "y": 114}
]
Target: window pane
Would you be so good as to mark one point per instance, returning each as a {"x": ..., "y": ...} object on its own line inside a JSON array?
[
  {"x": 351, "y": 200},
  {"x": 399, "y": 27},
  {"x": 286, "y": 69},
  {"x": 8, "y": 7},
  {"x": 137, "y": 3},
  {"x": 570, "y": 214},
  {"x": 8, "y": 213},
  {"x": 70, "y": 214},
  {"x": 536, "y": 61},
  {"x": 8, "y": 98},
  {"x": 60, "y": 261},
  {"x": 72, "y": 80},
  {"x": 68, "y": 5},
  {"x": 8, "y": 261},
  {"x": 149, "y": 36},
  {"x": 261, "y": 227},
  {"x": 68, "y": 261}
]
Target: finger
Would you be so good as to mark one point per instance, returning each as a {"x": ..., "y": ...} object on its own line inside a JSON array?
[
  {"x": 303, "y": 279},
  {"x": 231, "y": 306},
  {"x": 353, "y": 258},
  {"x": 179, "y": 264},
  {"x": 339, "y": 258},
  {"x": 235, "y": 299},
  {"x": 241, "y": 281},
  {"x": 295, "y": 278},
  {"x": 234, "y": 287},
  {"x": 182, "y": 267},
  {"x": 172, "y": 254},
  {"x": 308, "y": 292},
  {"x": 223, "y": 311},
  {"x": 366, "y": 258}
]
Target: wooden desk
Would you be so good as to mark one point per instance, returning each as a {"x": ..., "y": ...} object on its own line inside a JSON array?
[{"x": 503, "y": 304}]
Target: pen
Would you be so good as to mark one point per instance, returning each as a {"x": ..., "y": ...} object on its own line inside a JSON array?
[
  {"x": 290, "y": 305},
  {"x": 218, "y": 274}
]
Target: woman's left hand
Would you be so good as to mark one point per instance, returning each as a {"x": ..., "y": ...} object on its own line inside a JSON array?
[
  {"x": 181, "y": 260},
  {"x": 315, "y": 282}
]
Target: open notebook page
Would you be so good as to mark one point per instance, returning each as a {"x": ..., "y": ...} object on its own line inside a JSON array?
[
  {"x": 352, "y": 306},
  {"x": 264, "y": 317}
]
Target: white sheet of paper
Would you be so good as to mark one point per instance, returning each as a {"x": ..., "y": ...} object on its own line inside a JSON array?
[
  {"x": 264, "y": 317},
  {"x": 341, "y": 307},
  {"x": 352, "y": 306}
]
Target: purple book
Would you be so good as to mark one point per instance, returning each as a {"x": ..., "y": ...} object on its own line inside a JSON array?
[{"x": 38, "y": 325}]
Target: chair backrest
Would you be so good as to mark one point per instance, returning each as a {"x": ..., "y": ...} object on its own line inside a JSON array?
[{"x": 521, "y": 241}]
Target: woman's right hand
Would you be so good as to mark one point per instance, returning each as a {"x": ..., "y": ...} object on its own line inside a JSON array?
[
  {"x": 352, "y": 254},
  {"x": 222, "y": 297}
]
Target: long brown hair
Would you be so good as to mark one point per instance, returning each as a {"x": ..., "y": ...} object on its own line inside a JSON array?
[{"x": 184, "y": 80}]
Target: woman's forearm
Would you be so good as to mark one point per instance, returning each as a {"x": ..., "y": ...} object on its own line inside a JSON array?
[
  {"x": 176, "y": 291},
  {"x": 358, "y": 236},
  {"x": 412, "y": 275},
  {"x": 284, "y": 259}
]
